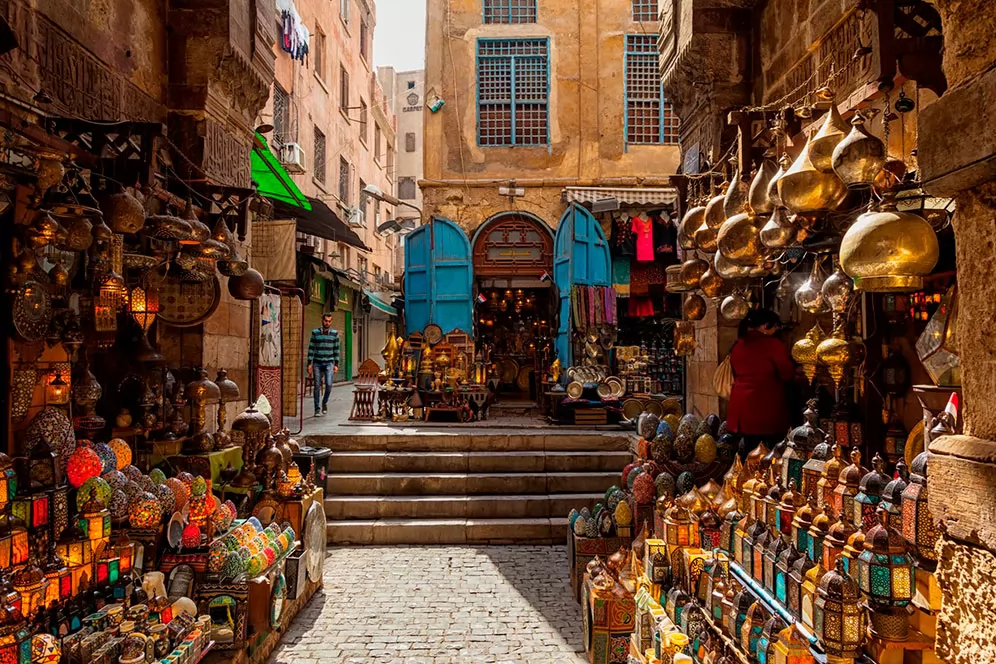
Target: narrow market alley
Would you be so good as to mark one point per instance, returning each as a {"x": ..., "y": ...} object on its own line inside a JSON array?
[{"x": 439, "y": 605}]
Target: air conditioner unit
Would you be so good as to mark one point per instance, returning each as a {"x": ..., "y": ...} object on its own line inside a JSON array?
[
  {"x": 292, "y": 157},
  {"x": 354, "y": 218}
]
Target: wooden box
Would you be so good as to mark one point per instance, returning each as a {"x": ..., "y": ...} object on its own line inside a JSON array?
[
  {"x": 297, "y": 574},
  {"x": 581, "y": 550},
  {"x": 590, "y": 416}
]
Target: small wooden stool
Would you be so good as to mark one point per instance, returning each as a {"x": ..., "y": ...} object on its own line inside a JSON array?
[{"x": 365, "y": 392}]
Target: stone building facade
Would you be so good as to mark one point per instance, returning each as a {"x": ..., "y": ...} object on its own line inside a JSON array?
[{"x": 572, "y": 121}]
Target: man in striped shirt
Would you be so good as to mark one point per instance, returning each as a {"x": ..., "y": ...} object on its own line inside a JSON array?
[{"x": 323, "y": 361}]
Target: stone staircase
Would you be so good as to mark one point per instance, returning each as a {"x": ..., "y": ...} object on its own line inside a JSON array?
[{"x": 456, "y": 488}]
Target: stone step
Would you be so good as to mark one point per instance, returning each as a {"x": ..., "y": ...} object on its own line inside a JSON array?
[
  {"x": 477, "y": 462},
  {"x": 462, "y": 442},
  {"x": 448, "y": 531},
  {"x": 428, "y": 484},
  {"x": 366, "y": 508}
]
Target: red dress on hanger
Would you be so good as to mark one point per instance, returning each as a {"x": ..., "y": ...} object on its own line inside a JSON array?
[{"x": 644, "y": 231}]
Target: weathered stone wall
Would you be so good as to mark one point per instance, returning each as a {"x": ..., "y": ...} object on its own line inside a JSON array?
[
  {"x": 586, "y": 108},
  {"x": 966, "y": 630}
]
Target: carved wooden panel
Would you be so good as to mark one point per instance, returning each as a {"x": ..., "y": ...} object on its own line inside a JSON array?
[{"x": 513, "y": 246}]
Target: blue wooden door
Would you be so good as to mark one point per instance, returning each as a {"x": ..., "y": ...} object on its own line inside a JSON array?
[
  {"x": 438, "y": 278},
  {"x": 581, "y": 258}
]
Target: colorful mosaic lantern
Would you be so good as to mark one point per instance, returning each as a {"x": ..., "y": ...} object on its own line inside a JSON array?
[
  {"x": 157, "y": 476},
  {"x": 15, "y": 637},
  {"x": 122, "y": 452},
  {"x": 95, "y": 487},
  {"x": 835, "y": 541},
  {"x": 145, "y": 511},
  {"x": 83, "y": 464},
  {"x": 191, "y": 537},
  {"x": 32, "y": 510},
  {"x": 918, "y": 522},
  {"x": 812, "y": 470},
  {"x": 181, "y": 493},
  {"x": 94, "y": 520},
  {"x": 885, "y": 576},
  {"x": 827, "y": 483},
  {"x": 870, "y": 495},
  {"x": 892, "y": 495},
  {"x": 847, "y": 426},
  {"x": 107, "y": 457},
  {"x": 848, "y": 484},
  {"x": 839, "y": 620},
  {"x": 769, "y": 637},
  {"x": 791, "y": 648}
]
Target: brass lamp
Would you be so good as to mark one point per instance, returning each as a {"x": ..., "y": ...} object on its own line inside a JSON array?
[
  {"x": 776, "y": 545},
  {"x": 679, "y": 528},
  {"x": 835, "y": 541},
  {"x": 812, "y": 470},
  {"x": 769, "y": 637},
  {"x": 57, "y": 390},
  {"x": 827, "y": 483},
  {"x": 801, "y": 523},
  {"x": 870, "y": 495},
  {"x": 791, "y": 648},
  {"x": 892, "y": 495},
  {"x": 885, "y": 576},
  {"x": 783, "y": 570},
  {"x": 253, "y": 427},
  {"x": 937, "y": 347},
  {"x": 753, "y": 626},
  {"x": 918, "y": 522},
  {"x": 839, "y": 620},
  {"x": 201, "y": 393},
  {"x": 794, "y": 584},
  {"x": 229, "y": 391}
]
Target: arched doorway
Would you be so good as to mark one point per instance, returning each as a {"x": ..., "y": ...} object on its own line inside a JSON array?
[{"x": 516, "y": 307}]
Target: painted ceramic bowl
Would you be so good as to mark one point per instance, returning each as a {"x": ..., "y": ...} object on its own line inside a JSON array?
[
  {"x": 234, "y": 565},
  {"x": 271, "y": 555},
  {"x": 254, "y": 522},
  {"x": 256, "y": 564}
]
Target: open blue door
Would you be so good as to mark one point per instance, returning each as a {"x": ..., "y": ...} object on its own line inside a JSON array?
[
  {"x": 581, "y": 258},
  {"x": 438, "y": 278}
]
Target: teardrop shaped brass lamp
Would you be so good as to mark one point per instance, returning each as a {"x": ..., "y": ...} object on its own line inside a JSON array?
[
  {"x": 805, "y": 189},
  {"x": 824, "y": 141},
  {"x": 727, "y": 269},
  {"x": 804, "y": 351},
  {"x": 739, "y": 240},
  {"x": 783, "y": 165},
  {"x": 757, "y": 197},
  {"x": 714, "y": 213},
  {"x": 859, "y": 157},
  {"x": 735, "y": 200},
  {"x": 689, "y": 224},
  {"x": 779, "y": 232}
]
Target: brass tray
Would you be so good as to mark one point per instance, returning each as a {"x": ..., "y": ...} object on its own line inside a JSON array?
[{"x": 632, "y": 408}]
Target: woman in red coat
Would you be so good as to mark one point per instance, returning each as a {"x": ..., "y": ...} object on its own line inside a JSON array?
[{"x": 762, "y": 368}]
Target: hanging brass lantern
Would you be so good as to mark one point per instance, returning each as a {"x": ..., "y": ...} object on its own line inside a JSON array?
[
  {"x": 125, "y": 212},
  {"x": 859, "y": 157},
  {"x": 714, "y": 214},
  {"x": 691, "y": 271},
  {"x": 694, "y": 307},
  {"x": 199, "y": 231},
  {"x": 783, "y": 165},
  {"x": 705, "y": 238},
  {"x": 735, "y": 199},
  {"x": 684, "y": 338},
  {"x": 889, "y": 251},
  {"x": 779, "y": 233},
  {"x": 890, "y": 177},
  {"x": 712, "y": 284},
  {"x": 689, "y": 224},
  {"x": 805, "y": 189},
  {"x": 804, "y": 351},
  {"x": 739, "y": 240},
  {"x": 937, "y": 347},
  {"x": 727, "y": 269},
  {"x": 673, "y": 281},
  {"x": 809, "y": 297},
  {"x": 757, "y": 198},
  {"x": 734, "y": 308},
  {"x": 826, "y": 139},
  {"x": 837, "y": 290},
  {"x": 837, "y": 352}
]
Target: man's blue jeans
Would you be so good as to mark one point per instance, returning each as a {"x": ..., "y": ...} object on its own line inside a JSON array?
[{"x": 322, "y": 372}]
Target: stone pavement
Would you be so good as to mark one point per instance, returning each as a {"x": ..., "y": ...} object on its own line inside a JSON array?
[{"x": 439, "y": 605}]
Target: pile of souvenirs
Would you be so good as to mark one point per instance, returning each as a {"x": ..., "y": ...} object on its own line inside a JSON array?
[{"x": 801, "y": 555}]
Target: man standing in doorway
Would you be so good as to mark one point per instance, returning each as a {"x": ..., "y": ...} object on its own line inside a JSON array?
[{"x": 323, "y": 361}]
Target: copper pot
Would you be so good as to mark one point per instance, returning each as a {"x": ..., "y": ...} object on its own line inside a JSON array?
[
  {"x": 124, "y": 212},
  {"x": 249, "y": 286}
]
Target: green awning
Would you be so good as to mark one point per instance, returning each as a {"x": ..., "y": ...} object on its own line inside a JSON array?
[
  {"x": 272, "y": 180},
  {"x": 377, "y": 302}
]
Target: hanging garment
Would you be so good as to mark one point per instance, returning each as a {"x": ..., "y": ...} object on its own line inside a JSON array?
[
  {"x": 643, "y": 228},
  {"x": 640, "y": 307},
  {"x": 665, "y": 240},
  {"x": 623, "y": 238},
  {"x": 645, "y": 275},
  {"x": 621, "y": 276}
]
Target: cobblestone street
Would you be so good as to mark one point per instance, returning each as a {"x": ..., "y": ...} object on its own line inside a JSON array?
[{"x": 439, "y": 605}]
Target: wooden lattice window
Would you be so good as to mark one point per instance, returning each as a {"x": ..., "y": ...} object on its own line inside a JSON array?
[{"x": 513, "y": 245}]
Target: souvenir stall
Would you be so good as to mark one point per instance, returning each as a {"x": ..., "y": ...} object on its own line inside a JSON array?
[
  {"x": 820, "y": 548},
  {"x": 119, "y": 539}
]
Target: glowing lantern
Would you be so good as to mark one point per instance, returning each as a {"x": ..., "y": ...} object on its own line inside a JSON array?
[
  {"x": 94, "y": 520},
  {"x": 107, "y": 457},
  {"x": 145, "y": 512},
  {"x": 122, "y": 452},
  {"x": 33, "y": 509},
  {"x": 31, "y": 584},
  {"x": 180, "y": 492},
  {"x": 57, "y": 391},
  {"x": 885, "y": 576},
  {"x": 838, "y": 618},
  {"x": 191, "y": 538},
  {"x": 83, "y": 464},
  {"x": 60, "y": 582},
  {"x": 95, "y": 487}
]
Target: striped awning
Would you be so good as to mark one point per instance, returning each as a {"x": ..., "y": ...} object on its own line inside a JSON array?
[{"x": 625, "y": 195}]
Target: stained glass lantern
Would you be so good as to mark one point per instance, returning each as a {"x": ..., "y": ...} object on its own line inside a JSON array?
[
  {"x": 753, "y": 626},
  {"x": 801, "y": 442},
  {"x": 870, "y": 494},
  {"x": 674, "y": 604},
  {"x": 892, "y": 495},
  {"x": 44, "y": 470},
  {"x": 73, "y": 549},
  {"x": 736, "y": 618},
  {"x": 835, "y": 541},
  {"x": 801, "y": 523},
  {"x": 848, "y": 429},
  {"x": 181, "y": 493},
  {"x": 83, "y": 464},
  {"x": 754, "y": 533},
  {"x": 157, "y": 476},
  {"x": 95, "y": 487},
  {"x": 60, "y": 582},
  {"x": 776, "y": 545},
  {"x": 918, "y": 522},
  {"x": 855, "y": 545},
  {"x": 848, "y": 484},
  {"x": 8, "y": 480},
  {"x": 58, "y": 501},
  {"x": 769, "y": 637},
  {"x": 30, "y": 582},
  {"x": 122, "y": 452},
  {"x": 886, "y": 578},
  {"x": 791, "y": 648},
  {"x": 838, "y": 619},
  {"x": 655, "y": 561},
  {"x": 812, "y": 470},
  {"x": 145, "y": 511},
  {"x": 790, "y": 503},
  {"x": 15, "y": 637},
  {"x": 107, "y": 457},
  {"x": 817, "y": 533},
  {"x": 727, "y": 532},
  {"x": 94, "y": 520},
  {"x": 794, "y": 583},
  {"x": 827, "y": 483},
  {"x": 709, "y": 530},
  {"x": 783, "y": 569},
  {"x": 20, "y": 543},
  {"x": 191, "y": 538},
  {"x": 771, "y": 503},
  {"x": 57, "y": 391},
  {"x": 6, "y": 541},
  {"x": 679, "y": 528},
  {"x": 124, "y": 550},
  {"x": 33, "y": 510},
  {"x": 937, "y": 347}
]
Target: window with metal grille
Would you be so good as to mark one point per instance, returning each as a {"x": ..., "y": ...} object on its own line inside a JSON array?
[
  {"x": 645, "y": 10},
  {"x": 509, "y": 11},
  {"x": 281, "y": 116},
  {"x": 410, "y": 141},
  {"x": 363, "y": 121},
  {"x": 406, "y": 189},
  {"x": 318, "y": 169},
  {"x": 513, "y": 87},
  {"x": 649, "y": 118},
  {"x": 343, "y": 181}
]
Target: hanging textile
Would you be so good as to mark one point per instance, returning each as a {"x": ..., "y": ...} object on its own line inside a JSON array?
[
  {"x": 294, "y": 37},
  {"x": 665, "y": 240},
  {"x": 623, "y": 238},
  {"x": 640, "y": 307},
  {"x": 645, "y": 275},
  {"x": 621, "y": 276},
  {"x": 643, "y": 229}
]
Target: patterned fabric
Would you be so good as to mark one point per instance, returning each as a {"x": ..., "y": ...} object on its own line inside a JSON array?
[
  {"x": 324, "y": 346},
  {"x": 620, "y": 276}
]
